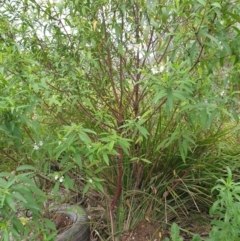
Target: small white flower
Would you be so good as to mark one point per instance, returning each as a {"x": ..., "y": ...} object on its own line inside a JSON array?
[
  {"x": 154, "y": 70},
  {"x": 138, "y": 117},
  {"x": 56, "y": 177},
  {"x": 221, "y": 45},
  {"x": 35, "y": 147},
  {"x": 222, "y": 93},
  {"x": 90, "y": 180},
  {"x": 61, "y": 179},
  {"x": 161, "y": 68},
  {"x": 40, "y": 143}
]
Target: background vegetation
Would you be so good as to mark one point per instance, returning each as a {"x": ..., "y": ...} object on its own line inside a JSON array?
[{"x": 133, "y": 104}]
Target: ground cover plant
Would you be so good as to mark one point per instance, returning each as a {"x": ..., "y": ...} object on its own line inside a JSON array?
[
  {"x": 225, "y": 224},
  {"x": 131, "y": 104}
]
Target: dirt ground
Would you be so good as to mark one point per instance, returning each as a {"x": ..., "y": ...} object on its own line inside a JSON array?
[
  {"x": 144, "y": 231},
  {"x": 193, "y": 224}
]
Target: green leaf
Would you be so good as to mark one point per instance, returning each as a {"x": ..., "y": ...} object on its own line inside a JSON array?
[
  {"x": 142, "y": 130},
  {"x": 206, "y": 34},
  {"x": 84, "y": 137},
  {"x": 182, "y": 151},
  {"x": 120, "y": 49},
  {"x": 105, "y": 158},
  {"x": 226, "y": 47},
  {"x": 5, "y": 235},
  {"x": 23, "y": 177},
  {"x": 70, "y": 139},
  {"x": 181, "y": 95},
  {"x": 235, "y": 16},
  {"x": 56, "y": 188},
  {"x": 235, "y": 115},
  {"x": 78, "y": 160},
  {"x": 117, "y": 30},
  {"x": 66, "y": 158},
  {"x": 175, "y": 233},
  {"x": 10, "y": 202},
  {"x": 11, "y": 181},
  {"x": 5, "y": 174},
  {"x": 211, "y": 117},
  {"x": 196, "y": 237},
  {"x": 165, "y": 16},
  {"x": 26, "y": 167},
  {"x": 202, "y": 2},
  {"x": 18, "y": 196},
  {"x": 111, "y": 146},
  {"x": 125, "y": 144},
  {"x": 3, "y": 183},
  {"x": 216, "y": 4},
  {"x": 89, "y": 131},
  {"x": 159, "y": 96},
  {"x": 169, "y": 103},
  {"x": 68, "y": 183},
  {"x": 193, "y": 52},
  {"x": 86, "y": 188},
  {"x": 99, "y": 186},
  {"x": 49, "y": 224},
  {"x": 204, "y": 118},
  {"x": 145, "y": 160}
]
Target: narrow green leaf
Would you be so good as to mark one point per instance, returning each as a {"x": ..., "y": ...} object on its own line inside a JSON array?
[
  {"x": 216, "y": 4},
  {"x": 120, "y": 49},
  {"x": 10, "y": 182},
  {"x": 18, "y": 196},
  {"x": 226, "y": 47},
  {"x": 204, "y": 118},
  {"x": 84, "y": 137},
  {"x": 206, "y": 34},
  {"x": 26, "y": 167},
  {"x": 169, "y": 103},
  {"x": 117, "y": 30},
  {"x": 182, "y": 153},
  {"x": 10, "y": 202},
  {"x": 235, "y": 16},
  {"x": 99, "y": 186},
  {"x": 105, "y": 158},
  {"x": 6, "y": 235},
  {"x": 5, "y": 174},
  {"x": 235, "y": 115},
  {"x": 78, "y": 160},
  {"x": 193, "y": 52},
  {"x": 145, "y": 160},
  {"x": 111, "y": 145},
  {"x": 159, "y": 96},
  {"x": 86, "y": 188},
  {"x": 49, "y": 224},
  {"x": 56, "y": 188},
  {"x": 180, "y": 95},
  {"x": 68, "y": 182},
  {"x": 202, "y": 2},
  {"x": 211, "y": 117},
  {"x": 142, "y": 130},
  {"x": 164, "y": 14}
]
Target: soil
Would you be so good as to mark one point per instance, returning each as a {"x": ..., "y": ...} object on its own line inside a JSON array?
[
  {"x": 61, "y": 220},
  {"x": 145, "y": 231}
]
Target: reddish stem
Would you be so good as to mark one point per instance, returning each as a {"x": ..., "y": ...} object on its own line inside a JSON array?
[{"x": 119, "y": 181}]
